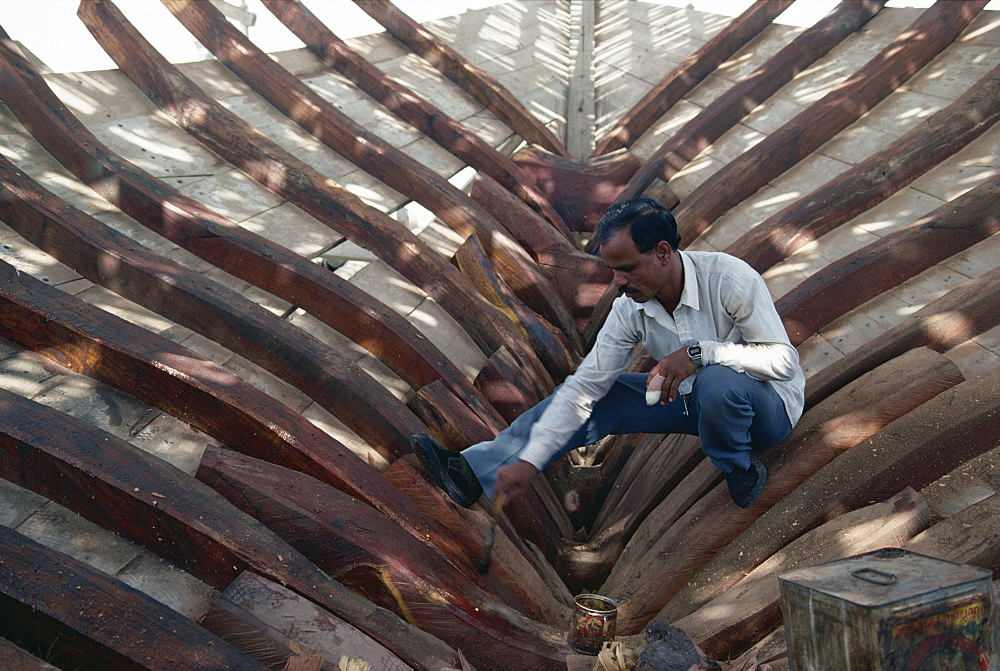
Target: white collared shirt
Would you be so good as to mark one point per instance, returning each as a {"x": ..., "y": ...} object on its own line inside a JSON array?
[{"x": 724, "y": 306}]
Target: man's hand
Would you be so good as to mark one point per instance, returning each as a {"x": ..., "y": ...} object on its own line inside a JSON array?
[
  {"x": 674, "y": 368},
  {"x": 514, "y": 480}
]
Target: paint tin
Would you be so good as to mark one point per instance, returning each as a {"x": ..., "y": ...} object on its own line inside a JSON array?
[
  {"x": 889, "y": 610},
  {"x": 594, "y": 622}
]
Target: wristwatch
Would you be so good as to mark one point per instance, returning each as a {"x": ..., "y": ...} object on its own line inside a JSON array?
[{"x": 694, "y": 353}]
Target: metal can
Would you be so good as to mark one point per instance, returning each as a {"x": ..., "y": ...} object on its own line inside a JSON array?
[{"x": 594, "y": 622}]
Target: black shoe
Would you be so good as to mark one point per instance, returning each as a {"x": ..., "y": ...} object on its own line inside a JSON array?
[
  {"x": 745, "y": 486},
  {"x": 450, "y": 469}
]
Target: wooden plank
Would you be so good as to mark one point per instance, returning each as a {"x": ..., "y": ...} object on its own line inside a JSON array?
[
  {"x": 490, "y": 93},
  {"x": 886, "y": 263},
  {"x": 414, "y": 110},
  {"x": 180, "y": 382},
  {"x": 691, "y": 72},
  {"x": 363, "y": 551},
  {"x": 726, "y": 110},
  {"x": 78, "y": 617},
  {"x": 454, "y": 425},
  {"x": 497, "y": 382},
  {"x": 381, "y": 234},
  {"x": 745, "y": 613},
  {"x": 367, "y": 150},
  {"x": 113, "y": 260},
  {"x": 873, "y": 180},
  {"x": 911, "y": 451},
  {"x": 16, "y": 659},
  {"x": 967, "y": 537},
  {"x": 581, "y": 111},
  {"x": 178, "y": 518},
  {"x": 644, "y": 584},
  {"x": 269, "y": 622},
  {"x": 969, "y": 309},
  {"x": 924, "y": 39}
]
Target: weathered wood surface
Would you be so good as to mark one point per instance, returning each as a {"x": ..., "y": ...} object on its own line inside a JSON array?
[
  {"x": 363, "y": 551},
  {"x": 967, "y": 310},
  {"x": 727, "y": 109},
  {"x": 413, "y": 109},
  {"x": 451, "y": 422},
  {"x": 845, "y": 419},
  {"x": 78, "y": 617},
  {"x": 369, "y": 152},
  {"x": 873, "y": 180},
  {"x": 113, "y": 260},
  {"x": 689, "y": 73},
  {"x": 924, "y": 39},
  {"x": 16, "y": 659},
  {"x": 644, "y": 585},
  {"x": 528, "y": 574},
  {"x": 889, "y": 261},
  {"x": 178, "y": 518},
  {"x": 474, "y": 81},
  {"x": 745, "y": 613},
  {"x": 967, "y": 537},
  {"x": 914, "y": 450},
  {"x": 231, "y": 137},
  {"x": 270, "y": 623},
  {"x": 155, "y": 370}
]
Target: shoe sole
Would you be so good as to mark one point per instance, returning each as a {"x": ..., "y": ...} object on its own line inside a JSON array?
[{"x": 429, "y": 460}]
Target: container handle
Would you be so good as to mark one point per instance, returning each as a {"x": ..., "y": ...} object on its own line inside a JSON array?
[{"x": 874, "y": 576}]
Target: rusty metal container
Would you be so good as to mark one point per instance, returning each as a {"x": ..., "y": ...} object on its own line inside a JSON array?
[{"x": 890, "y": 610}]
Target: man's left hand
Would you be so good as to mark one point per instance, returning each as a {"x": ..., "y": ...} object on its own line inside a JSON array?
[{"x": 675, "y": 368}]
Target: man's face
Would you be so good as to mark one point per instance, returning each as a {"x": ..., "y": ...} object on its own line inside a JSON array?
[{"x": 638, "y": 276}]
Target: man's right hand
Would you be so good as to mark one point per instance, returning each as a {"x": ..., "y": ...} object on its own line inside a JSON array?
[{"x": 514, "y": 480}]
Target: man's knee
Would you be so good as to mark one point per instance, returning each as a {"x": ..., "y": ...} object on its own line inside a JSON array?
[{"x": 718, "y": 386}]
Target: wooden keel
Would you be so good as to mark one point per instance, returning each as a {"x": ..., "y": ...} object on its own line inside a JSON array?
[
  {"x": 78, "y": 617},
  {"x": 416, "y": 111},
  {"x": 644, "y": 585},
  {"x": 926, "y": 37},
  {"x": 726, "y": 110},
  {"x": 750, "y": 610},
  {"x": 335, "y": 207},
  {"x": 369, "y": 152},
  {"x": 178, "y": 518},
  {"x": 354, "y": 545},
  {"x": 886, "y": 263},
  {"x": 873, "y": 180},
  {"x": 488, "y": 91},
  {"x": 691, "y": 72}
]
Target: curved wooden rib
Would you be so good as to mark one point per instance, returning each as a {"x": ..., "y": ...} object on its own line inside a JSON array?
[
  {"x": 935, "y": 29},
  {"x": 361, "y": 317},
  {"x": 114, "y": 261},
  {"x": 873, "y": 180},
  {"x": 963, "y": 313},
  {"x": 689, "y": 74},
  {"x": 347, "y": 542},
  {"x": 368, "y": 151},
  {"x": 200, "y": 116},
  {"x": 210, "y": 398},
  {"x": 723, "y": 113},
  {"x": 848, "y": 282},
  {"x": 178, "y": 518},
  {"x": 490, "y": 93},
  {"x": 413, "y": 109},
  {"x": 645, "y": 581},
  {"x": 78, "y": 617},
  {"x": 912, "y": 451}
]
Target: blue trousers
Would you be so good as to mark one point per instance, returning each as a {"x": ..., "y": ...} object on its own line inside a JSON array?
[{"x": 730, "y": 412}]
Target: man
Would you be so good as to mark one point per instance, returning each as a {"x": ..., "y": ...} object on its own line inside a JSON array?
[{"x": 729, "y": 373}]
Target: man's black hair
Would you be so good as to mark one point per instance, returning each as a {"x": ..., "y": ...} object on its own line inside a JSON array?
[{"x": 647, "y": 221}]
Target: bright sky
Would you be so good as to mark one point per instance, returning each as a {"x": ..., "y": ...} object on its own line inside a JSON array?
[{"x": 52, "y": 32}]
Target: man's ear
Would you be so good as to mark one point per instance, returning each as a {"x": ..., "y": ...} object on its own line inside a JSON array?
[{"x": 663, "y": 250}]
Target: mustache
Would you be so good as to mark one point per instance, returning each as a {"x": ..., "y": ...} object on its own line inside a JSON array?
[{"x": 627, "y": 290}]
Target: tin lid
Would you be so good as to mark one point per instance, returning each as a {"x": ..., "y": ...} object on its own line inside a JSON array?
[{"x": 884, "y": 576}]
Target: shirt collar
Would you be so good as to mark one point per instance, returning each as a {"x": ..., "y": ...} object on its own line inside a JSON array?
[{"x": 689, "y": 294}]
